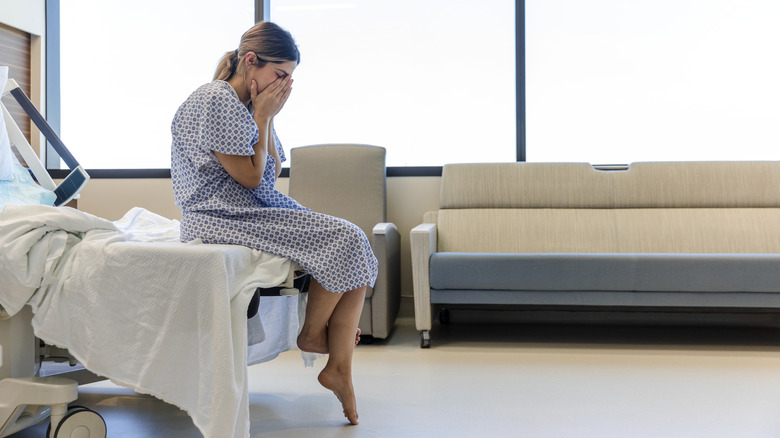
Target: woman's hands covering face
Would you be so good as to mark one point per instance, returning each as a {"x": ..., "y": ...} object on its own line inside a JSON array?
[{"x": 269, "y": 101}]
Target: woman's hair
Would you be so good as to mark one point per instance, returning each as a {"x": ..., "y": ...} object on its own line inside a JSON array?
[{"x": 268, "y": 41}]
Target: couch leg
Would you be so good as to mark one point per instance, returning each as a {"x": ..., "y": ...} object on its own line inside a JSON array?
[{"x": 425, "y": 339}]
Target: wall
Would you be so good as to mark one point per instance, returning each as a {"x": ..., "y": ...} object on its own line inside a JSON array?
[
  {"x": 408, "y": 199},
  {"x": 26, "y": 15},
  {"x": 30, "y": 16}
]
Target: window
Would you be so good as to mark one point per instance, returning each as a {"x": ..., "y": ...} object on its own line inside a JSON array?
[
  {"x": 433, "y": 81},
  {"x": 127, "y": 66},
  {"x": 611, "y": 81},
  {"x": 603, "y": 81}
]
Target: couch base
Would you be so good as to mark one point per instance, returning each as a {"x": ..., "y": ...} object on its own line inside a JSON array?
[
  {"x": 614, "y": 272},
  {"x": 726, "y": 300}
]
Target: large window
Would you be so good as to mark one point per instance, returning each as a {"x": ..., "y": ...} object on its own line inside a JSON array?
[
  {"x": 614, "y": 81},
  {"x": 434, "y": 81},
  {"x": 431, "y": 80},
  {"x": 126, "y": 66}
]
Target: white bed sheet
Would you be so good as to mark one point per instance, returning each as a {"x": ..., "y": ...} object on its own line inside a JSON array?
[{"x": 137, "y": 306}]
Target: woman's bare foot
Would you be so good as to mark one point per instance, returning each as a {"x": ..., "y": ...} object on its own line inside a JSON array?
[
  {"x": 317, "y": 343},
  {"x": 341, "y": 385}
]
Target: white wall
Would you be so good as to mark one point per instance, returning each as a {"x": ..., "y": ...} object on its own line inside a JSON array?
[
  {"x": 30, "y": 16},
  {"x": 26, "y": 15}
]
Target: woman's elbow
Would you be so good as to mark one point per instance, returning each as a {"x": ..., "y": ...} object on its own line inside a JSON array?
[
  {"x": 249, "y": 182},
  {"x": 251, "y": 185}
]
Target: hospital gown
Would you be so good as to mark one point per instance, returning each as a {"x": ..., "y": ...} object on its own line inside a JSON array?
[{"x": 217, "y": 209}]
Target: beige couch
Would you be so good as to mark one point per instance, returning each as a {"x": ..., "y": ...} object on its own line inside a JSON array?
[{"x": 666, "y": 234}]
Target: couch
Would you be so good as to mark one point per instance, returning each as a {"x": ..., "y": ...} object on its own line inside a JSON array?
[{"x": 692, "y": 235}]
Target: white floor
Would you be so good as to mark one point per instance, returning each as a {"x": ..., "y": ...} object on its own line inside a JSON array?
[{"x": 529, "y": 381}]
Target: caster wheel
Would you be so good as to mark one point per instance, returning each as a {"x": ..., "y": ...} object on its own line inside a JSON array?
[
  {"x": 79, "y": 422},
  {"x": 425, "y": 339}
]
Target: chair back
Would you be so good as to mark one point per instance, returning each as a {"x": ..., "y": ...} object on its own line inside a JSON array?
[{"x": 342, "y": 180}]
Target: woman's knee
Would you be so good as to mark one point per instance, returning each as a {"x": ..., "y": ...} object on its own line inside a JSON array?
[{"x": 355, "y": 233}]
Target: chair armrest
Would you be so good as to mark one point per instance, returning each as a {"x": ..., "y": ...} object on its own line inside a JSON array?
[
  {"x": 386, "y": 294},
  {"x": 423, "y": 241},
  {"x": 383, "y": 228}
]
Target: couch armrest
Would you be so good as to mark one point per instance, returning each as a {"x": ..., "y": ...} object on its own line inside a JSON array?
[
  {"x": 423, "y": 242},
  {"x": 386, "y": 294}
]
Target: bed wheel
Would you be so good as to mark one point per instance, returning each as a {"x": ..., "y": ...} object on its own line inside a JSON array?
[
  {"x": 425, "y": 339},
  {"x": 79, "y": 422}
]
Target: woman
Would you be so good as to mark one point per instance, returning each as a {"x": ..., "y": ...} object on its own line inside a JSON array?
[{"x": 225, "y": 159}]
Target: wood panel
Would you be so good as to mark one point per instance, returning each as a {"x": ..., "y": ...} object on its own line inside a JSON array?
[{"x": 15, "y": 52}]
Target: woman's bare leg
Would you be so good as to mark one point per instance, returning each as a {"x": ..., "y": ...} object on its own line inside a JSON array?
[
  {"x": 330, "y": 326},
  {"x": 319, "y": 309},
  {"x": 337, "y": 374},
  {"x": 314, "y": 333}
]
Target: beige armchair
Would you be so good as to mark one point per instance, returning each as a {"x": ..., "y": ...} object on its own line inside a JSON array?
[{"x": 348, "y": 181}]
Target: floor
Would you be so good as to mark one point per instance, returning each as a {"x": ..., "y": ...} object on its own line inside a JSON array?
[{"x": 506, "y": 380}]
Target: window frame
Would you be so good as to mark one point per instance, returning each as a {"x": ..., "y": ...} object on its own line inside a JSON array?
[{"x": 262, "y": 13}]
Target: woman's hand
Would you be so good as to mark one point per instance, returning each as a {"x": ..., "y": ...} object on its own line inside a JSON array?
[{"x": 269, "y": 101}]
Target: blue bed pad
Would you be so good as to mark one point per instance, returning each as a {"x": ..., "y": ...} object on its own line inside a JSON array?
[{"x": 24, "y": 190}]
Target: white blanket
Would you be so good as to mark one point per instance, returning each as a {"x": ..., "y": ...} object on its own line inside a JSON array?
[
  {"x": 33, "y": 239},
  {"x": 134, "y": 304}
]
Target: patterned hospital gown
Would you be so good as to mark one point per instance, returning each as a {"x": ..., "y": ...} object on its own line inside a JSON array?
[{"x": 217, "y": 209}]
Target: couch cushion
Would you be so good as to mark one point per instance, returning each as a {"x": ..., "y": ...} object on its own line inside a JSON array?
[
  {"x": 715, "y": 184},
  {"x": 642, "y": 185},
  {"x": 524, "y": 185},
  {"x": 620, "y": 230},
  {"x": 526, "y": 230},
  {"x": 606, "y": 272}
]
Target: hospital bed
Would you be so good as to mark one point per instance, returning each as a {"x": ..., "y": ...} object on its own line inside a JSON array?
[{"x": 131, "y": 303}]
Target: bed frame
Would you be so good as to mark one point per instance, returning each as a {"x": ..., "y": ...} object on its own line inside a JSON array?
[{"x": 28, "y": 400}]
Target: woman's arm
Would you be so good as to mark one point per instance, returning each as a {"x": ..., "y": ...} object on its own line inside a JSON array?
[
  {"x": 272, "y": 150},
  {"x": 248, "y": 170}
]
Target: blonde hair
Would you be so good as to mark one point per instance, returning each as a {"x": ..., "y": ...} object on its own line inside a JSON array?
[{"x": 268, "y": 41}]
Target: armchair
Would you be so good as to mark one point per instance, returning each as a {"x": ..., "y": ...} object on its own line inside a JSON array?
[{"x": 348, "y": 181}]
